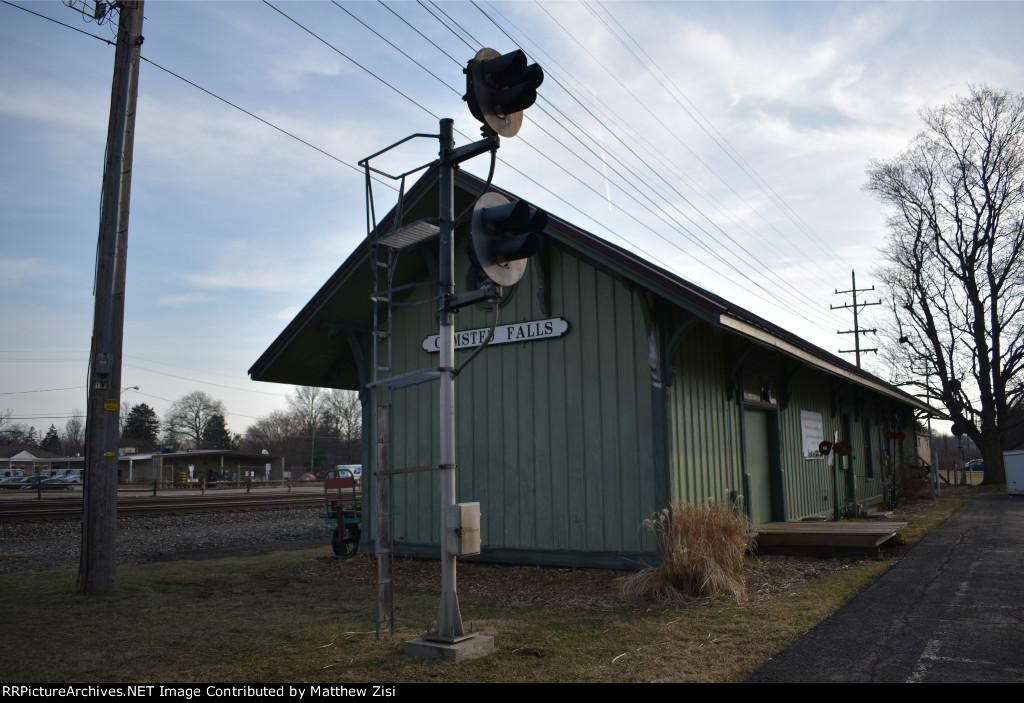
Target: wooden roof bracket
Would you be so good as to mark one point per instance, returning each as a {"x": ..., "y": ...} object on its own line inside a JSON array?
[
  {"x": 734, "y": 359},
  {"x": 655, "y": 351},
  {"x": 787, "y": 372},
  {"x": 355, "y": 338},
  {"x": 673, "y": 341},
  {"x": 836, "y": 388}
]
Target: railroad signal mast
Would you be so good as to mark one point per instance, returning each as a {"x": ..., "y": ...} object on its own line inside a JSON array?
[
  {"x": 856, "y": 331},
  {"x": 502, "y": 235}
]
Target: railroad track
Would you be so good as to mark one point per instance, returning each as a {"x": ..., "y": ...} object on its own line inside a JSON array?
[{"x": 71, "y": 509}]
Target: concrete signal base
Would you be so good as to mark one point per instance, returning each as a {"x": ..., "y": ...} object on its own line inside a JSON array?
[{"x": 473, "y": 646}]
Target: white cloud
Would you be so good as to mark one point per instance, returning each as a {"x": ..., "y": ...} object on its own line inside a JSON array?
[
  {"x": 287, "y": 314},
  {"x": 241, "y": 265},
  {"x": 181, "y": 300},
  {"x": 22, "y": 272}
]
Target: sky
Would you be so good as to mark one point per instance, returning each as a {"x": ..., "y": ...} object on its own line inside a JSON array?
[{"x": 726, "y": 142}]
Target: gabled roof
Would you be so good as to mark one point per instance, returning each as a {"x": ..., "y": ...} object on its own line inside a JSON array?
[
  {"x": 25, "y": 452},
  {"x": 341, "y": 307}
]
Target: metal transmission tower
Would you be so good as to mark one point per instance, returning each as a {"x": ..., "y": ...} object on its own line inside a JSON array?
[
  {"x": 856, "y": 331},
  {"x": 97, "y": 568}
]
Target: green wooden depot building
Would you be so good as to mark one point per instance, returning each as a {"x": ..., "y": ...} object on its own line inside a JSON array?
[{"x": 613, "y": 387}]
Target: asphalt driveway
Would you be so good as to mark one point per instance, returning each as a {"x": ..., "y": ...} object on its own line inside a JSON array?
[{"x": 951, "y": 610}]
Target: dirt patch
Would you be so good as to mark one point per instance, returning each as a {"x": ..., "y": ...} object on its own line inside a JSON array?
[
  {"x": 763, "y": 577},
  {"x": 555, "y": 587}
]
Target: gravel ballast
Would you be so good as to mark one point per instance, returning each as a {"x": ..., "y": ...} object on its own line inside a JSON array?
[{"x": 37, "y": 546}]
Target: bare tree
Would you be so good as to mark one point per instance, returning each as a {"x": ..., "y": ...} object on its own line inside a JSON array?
[
  {"x": 344, "y": 424},
  {"x": 187, "y": 419},
  {"x": 954, "y": 267},
  {"x": 308, "y": 405},
  {"x": 6, "y": 426},
  {"x": 16, "y": 432},
  {"x": 126, "y": 409},
  {"x": 279, "y": 433},
  {"x": 346, "y": 413},
  {"x": 73, "y": 434}
]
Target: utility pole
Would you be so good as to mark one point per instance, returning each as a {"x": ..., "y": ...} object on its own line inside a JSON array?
[
  {"x": 97, "y": 565},
  {"x": 856, "y": 331}
]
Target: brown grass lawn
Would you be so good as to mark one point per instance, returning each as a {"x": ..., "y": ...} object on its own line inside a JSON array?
[{"x": 300, "y": 615}]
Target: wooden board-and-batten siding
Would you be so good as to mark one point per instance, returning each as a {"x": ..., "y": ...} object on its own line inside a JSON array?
[
  {"x": 573, "y": 462},
  {"x": 553, "y": 436},
  {"x": 569, "y": 443},
  {"x": 713, "y": 448}
]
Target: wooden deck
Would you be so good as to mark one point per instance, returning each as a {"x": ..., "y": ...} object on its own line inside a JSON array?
[{"x": 818, "y": 537}]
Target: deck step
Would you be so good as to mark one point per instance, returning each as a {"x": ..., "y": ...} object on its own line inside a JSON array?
[{"x": 862, "y": 535}]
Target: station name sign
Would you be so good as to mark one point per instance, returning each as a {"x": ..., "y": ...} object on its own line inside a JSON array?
[{"x": 503, "y": 334}]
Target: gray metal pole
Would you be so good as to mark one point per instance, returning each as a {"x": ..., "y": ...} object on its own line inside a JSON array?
[
  {"x": 449, "y": 619},
  {"x": 97, "y": 567}
]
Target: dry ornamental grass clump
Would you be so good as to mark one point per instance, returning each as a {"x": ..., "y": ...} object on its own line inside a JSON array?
[{"x": 702, "y": 550}]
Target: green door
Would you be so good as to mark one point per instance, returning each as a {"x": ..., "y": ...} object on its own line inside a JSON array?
[{"x": 756, "y": 448}]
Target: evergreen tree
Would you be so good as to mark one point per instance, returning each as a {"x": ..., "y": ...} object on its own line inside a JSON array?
[
  {"x": 216, "y": 434},
  {"x": 51, "y": 442},
  {"x": 141, "y": 428}
]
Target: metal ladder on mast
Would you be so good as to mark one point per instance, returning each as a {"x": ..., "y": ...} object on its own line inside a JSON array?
[{"x": 385, "y": 249}]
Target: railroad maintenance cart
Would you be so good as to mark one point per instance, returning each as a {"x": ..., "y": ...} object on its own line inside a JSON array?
[{"x": 342, "y": 509}]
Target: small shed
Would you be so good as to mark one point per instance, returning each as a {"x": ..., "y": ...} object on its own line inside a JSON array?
[
  {"x": 199, "y": 464},
  {"x": 613, "y": 387}
]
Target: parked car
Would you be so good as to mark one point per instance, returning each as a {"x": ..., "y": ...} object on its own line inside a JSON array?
[{"x": 56, "y": 482}]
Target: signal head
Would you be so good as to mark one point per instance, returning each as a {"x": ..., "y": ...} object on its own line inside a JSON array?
[{"x": 499, "y": 87}]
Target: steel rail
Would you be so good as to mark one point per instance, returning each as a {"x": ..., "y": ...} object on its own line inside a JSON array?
[{"x": 11, "y": 511}]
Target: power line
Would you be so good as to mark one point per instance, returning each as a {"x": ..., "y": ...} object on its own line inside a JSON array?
[
  {"x": 253, "y": 115},
  {"x": 208, "y": 92},
  {"x": 349, "y": 58},
  {"x": 627, "y": 175},
  {"x": 812, "y": 305},
  {"x": 394, "y": 46},
  {"x": 42, "y": 390},
  {"x": 62, "y": 24},
  {"x": 413, "y": 28},
  {"x": 205, "y": 383},
  {"x": 446, "y": 26},
  {"x": 717, "y": 137}
]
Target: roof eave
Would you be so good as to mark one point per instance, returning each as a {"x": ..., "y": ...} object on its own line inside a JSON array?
[{"x": 768, "y": 339}]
